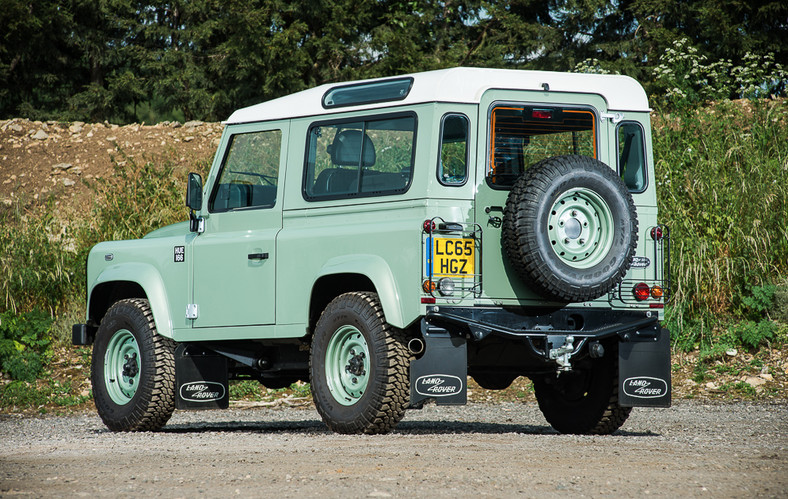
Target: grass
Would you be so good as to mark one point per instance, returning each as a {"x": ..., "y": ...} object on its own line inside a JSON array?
[
  {"x": 252, "y": 390},
  {"x": 41, "y": 396}
]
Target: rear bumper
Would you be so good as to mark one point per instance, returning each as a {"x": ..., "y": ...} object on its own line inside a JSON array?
[{"x": 581, "y": 323}]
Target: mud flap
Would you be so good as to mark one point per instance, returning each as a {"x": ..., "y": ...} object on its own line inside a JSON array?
[
  {"x": 200, "y": 378},
  {"x": 442, "y": 372},
  {"x": 644, "y": 368}
]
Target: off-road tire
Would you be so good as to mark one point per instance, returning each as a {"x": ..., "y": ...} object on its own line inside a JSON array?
[
  {"x": 586, "y": 402},
  {"x": 380, "y": 404},
  {"x": 151, "y": 401},
  {"x": 563, "y": 263}
]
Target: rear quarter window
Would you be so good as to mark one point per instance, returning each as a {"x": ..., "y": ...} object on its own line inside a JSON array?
[
  {"x": 365, "y": 157},
  {"x": 632, "y": 156}
]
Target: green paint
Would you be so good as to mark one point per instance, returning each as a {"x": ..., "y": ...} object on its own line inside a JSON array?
[
  {"x": 122, "y": 367},
  {"x": 347, "y": 365}
]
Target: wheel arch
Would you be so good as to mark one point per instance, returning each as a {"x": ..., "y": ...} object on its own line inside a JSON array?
[
  {"x": 130, "y": 281},
  {"x": 356, "y": 273}
]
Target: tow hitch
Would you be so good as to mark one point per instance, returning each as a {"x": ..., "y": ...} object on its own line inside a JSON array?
[{"x": 561, "y": 351}]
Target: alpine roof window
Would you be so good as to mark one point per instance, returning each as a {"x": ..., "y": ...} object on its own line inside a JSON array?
[{"x": 367, "y": 93}]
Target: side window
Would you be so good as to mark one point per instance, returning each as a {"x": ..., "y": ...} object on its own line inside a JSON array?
[
  {"x": 373, "y": 157},
  {"x": 453, "y": 161},
  {"x": 632, "y": 156},
  {"x": 250, "y": 172},
  {"x": 523, "y": 135}
]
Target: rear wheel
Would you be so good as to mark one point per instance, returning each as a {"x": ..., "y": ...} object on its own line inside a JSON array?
[
  {"x": 584, "y": 400},
  {"x": 359, "y": 366},
  {"x": 133, "y": 369}
]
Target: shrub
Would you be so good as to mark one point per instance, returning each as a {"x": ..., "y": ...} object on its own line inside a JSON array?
[
  {"x": 686, "y": 77},
  {"x": 24, "y": 340}
]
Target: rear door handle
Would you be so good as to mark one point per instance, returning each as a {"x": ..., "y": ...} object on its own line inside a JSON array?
[{"x": 258, "y": 256}]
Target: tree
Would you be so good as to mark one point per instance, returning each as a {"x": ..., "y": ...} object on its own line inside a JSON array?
[{"x": 35, "y": 57}]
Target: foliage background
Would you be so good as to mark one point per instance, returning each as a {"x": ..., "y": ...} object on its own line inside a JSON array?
[{"x": 132, "y": 61}]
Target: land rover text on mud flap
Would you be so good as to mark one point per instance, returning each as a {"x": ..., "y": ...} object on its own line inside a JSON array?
[{"x": 385, "y": 239}]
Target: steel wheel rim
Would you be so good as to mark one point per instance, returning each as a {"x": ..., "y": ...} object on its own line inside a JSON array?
[
  {"x": 121, "y": 367},
  {"x": 580, "y": 226},
  {"x": 347, "y": 365}
]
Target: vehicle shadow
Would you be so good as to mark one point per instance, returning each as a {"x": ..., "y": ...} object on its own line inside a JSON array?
[{"x": 404, "y": 428}]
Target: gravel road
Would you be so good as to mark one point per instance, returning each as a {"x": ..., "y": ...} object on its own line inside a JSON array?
[{"x": 693, "y": 449}]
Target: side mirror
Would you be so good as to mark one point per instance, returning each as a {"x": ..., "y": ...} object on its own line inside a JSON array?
[
  {"x": 194, "y": 192},
  {"x": 194, "y": 201}
]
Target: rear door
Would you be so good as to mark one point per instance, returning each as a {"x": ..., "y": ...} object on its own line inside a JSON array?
[{"x": 522, "y": 128}]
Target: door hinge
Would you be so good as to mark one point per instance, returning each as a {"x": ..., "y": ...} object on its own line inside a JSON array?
[
  {"x": 192, "y": 311},
  {"x": 614, "y": 117}
]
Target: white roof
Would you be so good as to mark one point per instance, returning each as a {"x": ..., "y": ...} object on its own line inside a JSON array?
[{"x": 465, "y": 85}]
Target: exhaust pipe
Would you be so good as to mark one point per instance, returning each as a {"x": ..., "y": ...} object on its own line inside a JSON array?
[{"x": 416, "y": 346}]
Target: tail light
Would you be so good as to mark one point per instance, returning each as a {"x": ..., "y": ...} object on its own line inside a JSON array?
[
  {"x": 656, "y": 233},
  {"x": 428, "y": 226},
  {"x": 641, "y": 291}
]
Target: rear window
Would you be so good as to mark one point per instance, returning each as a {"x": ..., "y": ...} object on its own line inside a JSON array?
[
  {"x": 453, "y": 162},
  {"x": 523, "y": 135}
]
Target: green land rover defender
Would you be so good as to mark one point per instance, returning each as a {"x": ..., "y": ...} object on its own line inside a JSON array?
[{"x": 384, "y": 240}]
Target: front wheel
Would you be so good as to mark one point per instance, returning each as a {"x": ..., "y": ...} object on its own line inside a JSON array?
[
  {"x": 133, "y": 369},
  {"x": 359, "y": 366}
]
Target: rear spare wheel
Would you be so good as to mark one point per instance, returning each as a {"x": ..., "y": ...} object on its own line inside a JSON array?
[{"x": 570, "y": 228}]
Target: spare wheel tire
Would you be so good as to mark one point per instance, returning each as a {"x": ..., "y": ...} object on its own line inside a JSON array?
[{"x": 570, "y": 228}]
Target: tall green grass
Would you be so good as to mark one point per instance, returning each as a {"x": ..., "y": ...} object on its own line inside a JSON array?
[
  {"x": 722, "y": 177},
  {"x": 135, "y": 200},
  {"x": 39, "y": 262}
]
